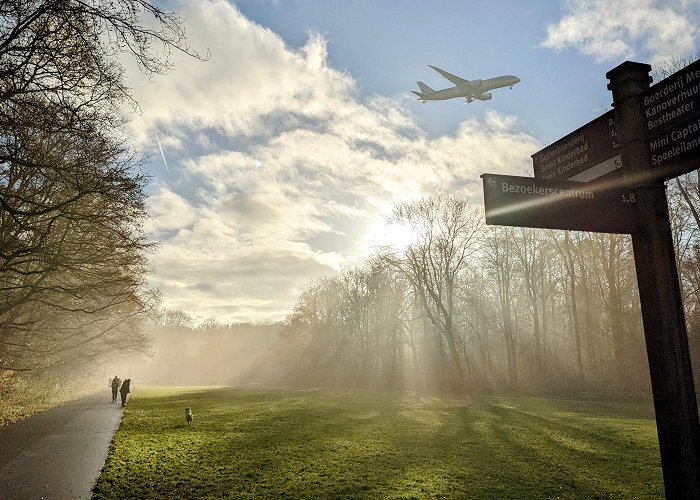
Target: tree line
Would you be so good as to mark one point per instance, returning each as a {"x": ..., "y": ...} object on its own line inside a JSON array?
[
  {"x": 486, "y": 308},
  {"x": 72, "y": 245},
  {"x": 185, "y": 352}
]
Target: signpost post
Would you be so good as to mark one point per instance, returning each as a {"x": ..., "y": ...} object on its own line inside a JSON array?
[
  {"x": 659, "y": 292},
  {"x": 653, "y": 135}
]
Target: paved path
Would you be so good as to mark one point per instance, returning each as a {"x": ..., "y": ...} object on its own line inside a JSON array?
[{"x": 58, "y": 454}]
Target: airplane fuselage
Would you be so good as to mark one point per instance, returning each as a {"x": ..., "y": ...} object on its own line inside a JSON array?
[{"x": 473, "y": 88}]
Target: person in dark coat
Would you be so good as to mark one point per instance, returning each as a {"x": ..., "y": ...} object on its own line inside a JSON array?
[
  {"x": 125, "y": 390},
  {"x": 115, "y": 382}
]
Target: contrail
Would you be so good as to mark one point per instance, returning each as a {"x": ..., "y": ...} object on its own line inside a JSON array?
[{"x": 161, "y": 152}]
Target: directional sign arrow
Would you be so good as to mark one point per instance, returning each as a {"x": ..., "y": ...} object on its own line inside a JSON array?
[{"x": 530, "y": 202}]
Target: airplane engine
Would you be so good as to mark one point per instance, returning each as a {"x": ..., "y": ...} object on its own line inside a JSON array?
[{"x": 485, "y": 96}]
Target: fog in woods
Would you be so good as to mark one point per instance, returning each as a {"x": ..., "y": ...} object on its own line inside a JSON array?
[
  {"x": 463, "y": 308},
  {"x": 211, "y": 353},
  {"x": 246, "y": 257}
]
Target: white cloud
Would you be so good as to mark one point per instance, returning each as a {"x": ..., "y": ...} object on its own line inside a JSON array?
[
  {"x": 611, "y": 30},
  {"x": 279, "y": 173},
  {"x": 169, "y": 211}
]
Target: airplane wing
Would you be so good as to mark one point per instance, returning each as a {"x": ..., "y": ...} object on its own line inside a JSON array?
[{"x": 454, "y": 79}]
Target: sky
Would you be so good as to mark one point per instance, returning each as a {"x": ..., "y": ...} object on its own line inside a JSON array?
[{"x": 278, "y": 160}]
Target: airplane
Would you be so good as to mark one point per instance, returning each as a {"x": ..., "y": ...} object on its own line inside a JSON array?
[{"x": 471, "y": 90}]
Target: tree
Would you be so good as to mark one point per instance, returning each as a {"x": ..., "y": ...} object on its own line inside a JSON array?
[
  {"x": 477, "y": 314},
  {"x": 532, "y": 253},
  {"x": 60, "y": 80},
  {"x": 621, "y": 302},
  {"x": 72, "y": 249},
  {"x": 72, "y": 272},
  {"x": 500, "y": 261},
  {"x": 447, "y": 231},
  {"x": 64, "y": 50},
  {"x": 565, "y": 249}
]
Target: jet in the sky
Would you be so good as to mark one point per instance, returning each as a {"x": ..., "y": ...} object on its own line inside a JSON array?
[{"x": 471, "y": 90}]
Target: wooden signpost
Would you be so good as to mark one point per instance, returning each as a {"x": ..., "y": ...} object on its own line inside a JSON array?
[
  {"x": 530, "y": 202},
  {"x": 656, "y": 138},
  {"x": 585, "y": 154},
  {"x": 671, "y": 111}
]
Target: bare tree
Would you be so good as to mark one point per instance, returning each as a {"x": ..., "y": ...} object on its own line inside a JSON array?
[
  {"x": 72, "y": 251},
  {"x": 532, "y": 259},
  {"x": 64, "y": 50},
  {"x": 565, "y": 249},
  {"x": 617, "y": 285},
  {"x": 71, "y": 273},
  {"x": 500, "y": 261},
  {"x": 447, "y": 234}
]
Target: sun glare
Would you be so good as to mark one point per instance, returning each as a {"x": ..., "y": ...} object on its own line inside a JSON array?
[{"x": 394, "y": 235}]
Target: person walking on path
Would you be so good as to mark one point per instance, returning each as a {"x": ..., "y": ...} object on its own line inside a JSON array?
[
  {"x": 115, "y": 387},
  {"x": 125, "y": 390}
]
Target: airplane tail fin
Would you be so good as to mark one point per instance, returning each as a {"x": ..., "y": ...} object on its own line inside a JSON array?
[
  {"x": 424, "y": 88},
  {"x": 421, "y": 96}
]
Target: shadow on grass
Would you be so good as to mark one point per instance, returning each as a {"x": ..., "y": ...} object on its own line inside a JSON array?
[{"x": 304, "y": 444}]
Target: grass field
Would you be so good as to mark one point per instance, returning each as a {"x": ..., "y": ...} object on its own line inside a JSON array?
[{"x": 316, "y": 444}]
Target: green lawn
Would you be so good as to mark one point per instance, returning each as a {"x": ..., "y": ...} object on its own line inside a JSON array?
[{"x": 318, "y": 444}]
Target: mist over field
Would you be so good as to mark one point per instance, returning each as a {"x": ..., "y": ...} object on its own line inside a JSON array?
[
  {"x": 270, "y": 218},
  {"x": 210, "y": 354},
  {"x": 266, "y": 203}
]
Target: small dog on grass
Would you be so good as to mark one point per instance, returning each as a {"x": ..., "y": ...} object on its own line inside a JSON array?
[{"x": 188, "y": 416}]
